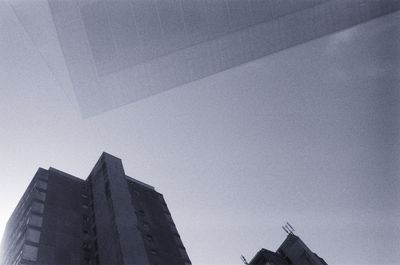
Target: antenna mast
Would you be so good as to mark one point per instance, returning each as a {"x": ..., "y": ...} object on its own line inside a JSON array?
[
  {"x": 291, "y": 227},
  {"x": 288, "y": 228},
  {"x": 244, "y": 260},
  {"x": 285, "y": 229}
]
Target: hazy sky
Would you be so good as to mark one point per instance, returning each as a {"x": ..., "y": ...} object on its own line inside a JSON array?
[{"x": 309, "y": 135}]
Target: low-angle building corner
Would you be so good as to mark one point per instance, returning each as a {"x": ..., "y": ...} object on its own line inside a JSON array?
[
  {"x": 109, "y": 218},
  {"x": 293, "y": 251}
]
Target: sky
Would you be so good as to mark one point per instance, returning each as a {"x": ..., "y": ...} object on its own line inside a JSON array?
[{"x": 308, "y": 135}]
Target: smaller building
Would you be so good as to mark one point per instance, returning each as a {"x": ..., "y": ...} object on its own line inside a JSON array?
[{"x": 292, "y": 251}]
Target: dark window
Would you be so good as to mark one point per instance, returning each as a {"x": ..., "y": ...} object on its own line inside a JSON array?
[
  {"x": 104, "y": 169},
  {"x": 288, "y": 260},
  {"x": 86, "y": 247},
  {"x": 146, "y": 226},
  {"x": 86, "y": 219},
  {"x": 107, "y": 190},
  {"x": 150, "y": 238},
  {"x": 96, "y": 247}
]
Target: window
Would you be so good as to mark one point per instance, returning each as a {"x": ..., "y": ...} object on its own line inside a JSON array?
[
  {"x": 85, "y": 218},
  {"x": 41, "y": 184},
  {"x": 146, "y": 226},
  {"x": 35, "y": 220},
  {"x": 29, "y": 252},
  {"x": 86, "y": 246},
  {"x": 96, "y": 247},
  {"x": 150, "y": 238},
  {"x": 32, "y": 235},
  {"x": 37, "y": 207},
  {"x": 40, "y": 195},
  {"x": 107, "y": 190},
  {"x": 104, "y": 169},
  {"x": 44, "y": 177}
]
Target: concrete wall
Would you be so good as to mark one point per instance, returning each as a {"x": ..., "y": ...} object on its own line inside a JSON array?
[
  {"x": 108, "y": 219},
  {"x": 115, "y": 216},
  {"x": 298, "y": 253},
  {"x": 61, "y": 234},
  {"x": 22, "y": 234},
  {"x": 162, "y": 240},
  {"x": 108, "y": 245}
]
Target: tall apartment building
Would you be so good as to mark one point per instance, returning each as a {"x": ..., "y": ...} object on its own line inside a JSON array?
[
  {"x": 292, "y": 251},
  {"x": 109, "y": 218}
]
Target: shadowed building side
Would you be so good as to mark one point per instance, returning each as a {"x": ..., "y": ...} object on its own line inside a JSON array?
[
  {"x": 46, "y": 226},
  {"x": 162, "y": 240},
  {"x": 266, "y": 257},
  {"x": 135, "y": 216},
  {"x": 117, "y": 233},
  {"x": 108, "y": 219},
  {"x": 292, "y": 251},
  {"x": 22, "y": 233}
]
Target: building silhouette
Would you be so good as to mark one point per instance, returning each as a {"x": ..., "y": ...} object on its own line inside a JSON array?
[
  {"x": 292, "y": 251},
  {"x": 109, "y": 218}
]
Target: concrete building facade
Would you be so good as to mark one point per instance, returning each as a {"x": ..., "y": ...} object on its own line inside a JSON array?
[
  {"x": 109, "y": 218},
  {"x": 292, "y": 251}
]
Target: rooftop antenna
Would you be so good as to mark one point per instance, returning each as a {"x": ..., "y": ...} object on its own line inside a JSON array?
[
  {"x": 291, "y": 227},
  {"x": 286, "y": 230},
  {"x": 244, "y": 260}
]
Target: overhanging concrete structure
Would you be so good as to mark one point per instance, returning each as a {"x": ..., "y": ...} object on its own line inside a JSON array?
[{"x": 112, "y": 53}]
